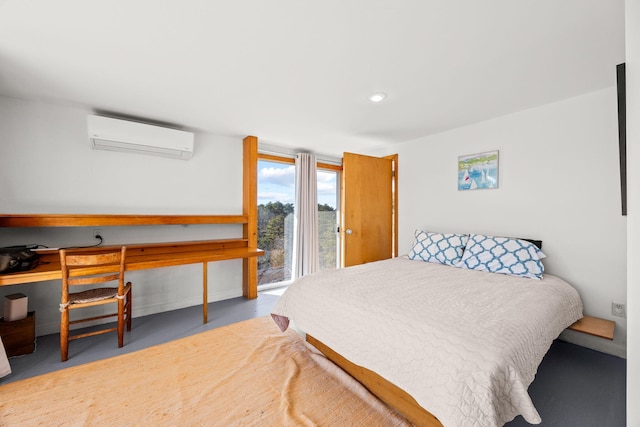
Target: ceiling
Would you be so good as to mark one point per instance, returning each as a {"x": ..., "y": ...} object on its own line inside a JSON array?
[{"x": 298, "y": 74}]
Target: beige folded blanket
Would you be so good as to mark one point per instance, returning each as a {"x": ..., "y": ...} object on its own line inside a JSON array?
[
  {"x": 5, "y": 368},
  {"x": 244, "y": 374}
]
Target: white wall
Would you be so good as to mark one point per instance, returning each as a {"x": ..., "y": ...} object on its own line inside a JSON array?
[
  {"x": 558, "y": 182},
  {"x": 48, "y": 166},
  {"x": 632, "y": 36}
]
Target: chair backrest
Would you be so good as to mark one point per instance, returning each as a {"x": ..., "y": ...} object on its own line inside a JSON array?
[{"x": 91, "y": 269}]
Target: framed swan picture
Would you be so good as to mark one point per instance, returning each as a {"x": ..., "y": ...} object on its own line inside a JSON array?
[{"x": 478, "y": 171}]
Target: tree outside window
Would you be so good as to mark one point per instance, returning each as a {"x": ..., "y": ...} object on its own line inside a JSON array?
[{"x": 276, "y": 204}]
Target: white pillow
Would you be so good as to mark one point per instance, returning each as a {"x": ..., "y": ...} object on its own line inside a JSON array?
[
  {"x": 438, "y": 247},
  {"x": 504, "y": 255}
]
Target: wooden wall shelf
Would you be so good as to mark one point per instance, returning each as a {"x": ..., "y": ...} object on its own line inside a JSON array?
[
  {"x": 88, "y": 220},
  {"x": 596, "y": 326}
]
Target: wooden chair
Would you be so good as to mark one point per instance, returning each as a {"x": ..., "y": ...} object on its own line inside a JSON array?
[{"x": 84, "y": 270}]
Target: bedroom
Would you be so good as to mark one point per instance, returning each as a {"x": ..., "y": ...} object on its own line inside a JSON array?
[{"x": 557, "y": 175}]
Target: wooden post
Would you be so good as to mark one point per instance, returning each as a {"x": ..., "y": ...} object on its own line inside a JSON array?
[
  {"x": 250, "y": 209},
  {"x": 205, "y": 292}
]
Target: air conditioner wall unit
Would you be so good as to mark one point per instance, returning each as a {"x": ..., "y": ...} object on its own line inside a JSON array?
[{"x": 106, "y": 133}]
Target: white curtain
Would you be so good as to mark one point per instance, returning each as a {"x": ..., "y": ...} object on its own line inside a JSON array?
[{"x": 306, "y": 258}]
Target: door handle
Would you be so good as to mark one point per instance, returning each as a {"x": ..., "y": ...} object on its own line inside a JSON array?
[{"x": 348, "y": 231}]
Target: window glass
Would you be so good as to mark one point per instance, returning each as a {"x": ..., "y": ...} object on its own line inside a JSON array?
[
  {"x": 276, "y": 204},
  {"x": 327, "y": 218},
  {"x": 276, "y": 197}
]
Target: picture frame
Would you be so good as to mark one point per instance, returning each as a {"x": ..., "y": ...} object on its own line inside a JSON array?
[{"x": 478, "y": 171}]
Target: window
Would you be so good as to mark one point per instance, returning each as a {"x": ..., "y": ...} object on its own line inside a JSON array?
[
  {"x": 328, "y": 218},
  {"x": 276, "y": 204},
  {"x": 276, "y": 197}
]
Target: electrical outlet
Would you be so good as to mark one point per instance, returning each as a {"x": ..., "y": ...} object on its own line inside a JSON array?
[
  {"x": 618, "y": 309},
  {"x": 97, "y": 234}
]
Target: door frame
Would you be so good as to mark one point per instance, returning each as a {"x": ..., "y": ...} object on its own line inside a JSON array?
[{"x": 394, "y": 181}]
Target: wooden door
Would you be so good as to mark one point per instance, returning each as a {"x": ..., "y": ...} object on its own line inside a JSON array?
[{"x": 367, "y": 228}]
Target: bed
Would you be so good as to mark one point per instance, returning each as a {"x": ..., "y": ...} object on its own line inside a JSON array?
[
  {"x": 464, "y": 344},
  {"x": 248, "y": 373}
]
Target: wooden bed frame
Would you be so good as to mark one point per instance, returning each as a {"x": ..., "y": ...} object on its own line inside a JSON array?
[{"x": 389, "y": 393}]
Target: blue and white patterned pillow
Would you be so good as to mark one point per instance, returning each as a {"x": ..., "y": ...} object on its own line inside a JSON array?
[
  {"x": 437, "y": 247},
  {"x": 503, "y": 255}
]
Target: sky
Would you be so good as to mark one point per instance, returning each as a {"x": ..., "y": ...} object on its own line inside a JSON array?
[{"x": 276, "y": 182}]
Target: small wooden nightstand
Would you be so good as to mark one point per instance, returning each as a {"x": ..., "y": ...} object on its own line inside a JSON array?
[
  {"x": 19, "y": 336},
  {"x": 602, "y": 328}
]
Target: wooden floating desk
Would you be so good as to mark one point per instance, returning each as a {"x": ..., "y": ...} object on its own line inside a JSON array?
[{"x": 144, "y": 256}]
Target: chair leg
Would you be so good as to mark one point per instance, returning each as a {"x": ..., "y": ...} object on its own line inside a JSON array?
[
  {"x": 129, "y": 308},
  {"x": 64, "y": 335},
  {"x": 120, "y": 323}
]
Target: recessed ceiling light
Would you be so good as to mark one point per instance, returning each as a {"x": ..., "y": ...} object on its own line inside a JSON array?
[{"x": 377, "y": 97}]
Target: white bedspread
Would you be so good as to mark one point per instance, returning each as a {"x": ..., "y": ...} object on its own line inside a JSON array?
[{"x": 465, "y": 344}]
